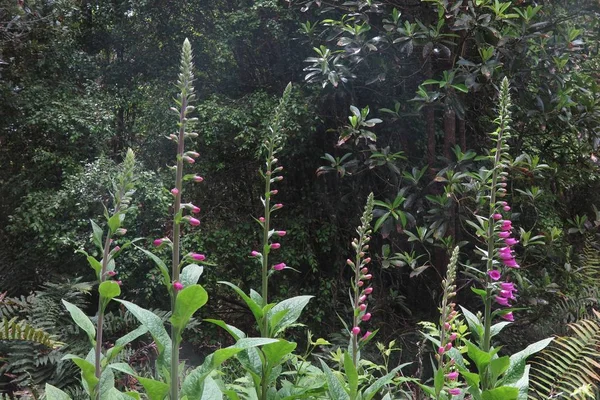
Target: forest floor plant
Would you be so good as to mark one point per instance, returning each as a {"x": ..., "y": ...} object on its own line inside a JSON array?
[{"x": 272, "y": 370}]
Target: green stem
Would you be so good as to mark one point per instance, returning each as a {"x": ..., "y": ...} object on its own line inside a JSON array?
[
  {"x": 176, "y": 249},
  {"x": 100, "y": 321},
  {"x": 264, "y": 328}
]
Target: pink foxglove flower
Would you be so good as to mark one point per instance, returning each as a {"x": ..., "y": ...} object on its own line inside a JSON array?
[
  {"x": 193, "y": 221},
  {"x": 366, "y": 317},
  {"x": 195, "y": 209},
  {"x": 275, "y": 246},
  {"x": 508, "y": 316},
  {"x": 510, "y": 241},
  {"x": 198, "y": 178},
  {"x": 280, "y": 233},
  {"x": 366, "y": 335},
  {"x": 454, "y": 392},
  {"x": 494, "y": 274},
  {"x": 502, "y": 301},
  {"x": 279, "y": 267},
  {"x": 369, "y": 290},
  {"x": 254, "y": 253},
  {"x": 497, "y": 216},
  {"x": 355, "y": 330},
  {"x": 452, "y": 375},
  {"x": 198, "y": 257}
]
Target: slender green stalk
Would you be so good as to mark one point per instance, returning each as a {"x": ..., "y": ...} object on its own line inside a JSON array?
[{"x": 100, "y": 320}]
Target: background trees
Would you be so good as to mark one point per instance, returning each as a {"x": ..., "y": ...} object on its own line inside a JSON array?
[{"x": 82, "y": 81}]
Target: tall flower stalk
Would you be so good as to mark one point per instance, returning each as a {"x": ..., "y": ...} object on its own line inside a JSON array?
[
  {"x": 184, "y": 98},
  {"x": 360, "y": 284}
]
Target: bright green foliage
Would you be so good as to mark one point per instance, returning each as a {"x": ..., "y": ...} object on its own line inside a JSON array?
[{"x": 570, "y": 367}]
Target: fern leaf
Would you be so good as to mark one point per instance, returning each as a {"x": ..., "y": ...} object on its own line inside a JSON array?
[{"x": 14, "y": 329}]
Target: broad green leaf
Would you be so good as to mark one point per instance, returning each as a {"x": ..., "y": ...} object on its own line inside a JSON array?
[
  {"x": 275, "y": 352},
  {"x": 82, "y": 320},
  {"x": 496, "y": 328},
  {"x": 114, "y": 222},
  {"x": 160, "y": 264},
  {"x": 295, "y": 305},
  {"x": 380, "y": 221},
  {"x": 189, "y": 300},
  {"x": 242, "y": 344},
  {"x": 115, "y": 394},
  {"x": 461, "y": 87},
  {"x": 474, "y": 324},
  {"x": 516, "y": 369},
  {"x": 351, "y": 374},
  {"x": 54, "y": 393},
  {"x": 478, "y": 356},
  {"x": 438, "y": 381},
  {"x": 88, "y": 371},
  {"x": 123, "y": 341},
  {"x": 254, "y": 307},
  {"x": 501, "y": 393},
  {"x": 499, "y": 365},
  {"x": 107, "y": 384},
  {"x": 109, "y": 289},
  {"x": 372, "y": 390},
  {"x": 334, "y": 386},
  {"x": 97, "y": 235},
  {"x": 211, "y": 390},
  {"x": 155, "y": 390},
  {"x": 156, "y": 328},
  {"x": 523, "y": 384},
  {"x": 96, "y": 265},
  {"x": 236, "y": 333},
  {"x": 190, "y": 275},
  {"x": 122, "y": 367}
]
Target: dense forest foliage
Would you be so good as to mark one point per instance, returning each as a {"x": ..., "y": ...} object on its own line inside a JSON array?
[{"x": 395, "y": 98}]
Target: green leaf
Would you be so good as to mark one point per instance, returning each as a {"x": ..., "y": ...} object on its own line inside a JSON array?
[
  {"x": 275, "y": 352},
  {"x": 54, "y": 393},
  {"x": 96, "y": 265},
  {"x": 294, "y": 305},
  {"x": 438, "y": 382},
  {"x": 334, "y": 386},
  {"x": 189, "y": 300},
  {"x": 114, "y": 222},
  {"x": 211, "y": 390},
  {"x": 156, "y": 328},
  {"x": 232, "y": 330},
  {"x": 97, "y": 235},
  {"x": 160, "y": 264},
  {"x": 351, "y": 374},
  {"x": 109, "y": 289},
  {"x": 478, "y": 356},
  {"x": 461, "y": 87},
  {"x": 122, "y": 367},
  {"x": 516, "y": 369},
  {"x": 155, "y": 390},
  {"x": 380, "y": 221},
  {"x": 82, "y": 320},
  {"x": 496, "y": 328},
  {"x": 107, "y": 385},
  {"x": 254, "y": 307},
  {"x": 474, "y": 324},
  {"x": 499, "y": 365},
  {"x": 372, "y": 390},
  {"x": 190, "y": 275},
  {"x": 88, "y": 371},
  {"x": 500, "y": 393}
]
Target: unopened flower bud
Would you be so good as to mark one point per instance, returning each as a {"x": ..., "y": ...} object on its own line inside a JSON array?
[
  {"x": 174, "y": 191},
  {"x": 188, "y": 159},
  {"x": 192, "y": 154},
  {"x": 369, "y": 290},
  {"x": 195, "y": 209},
  {"x": 280, "y": 233},
  {"x": 362, "y": 307},
  {"x": 254, "y": 253},
  {"x": 119, "y": 283},
  {"x": 177, "y": 286},
  {"x": 366, "y": 317},
  {"x": 364, "y": 270},
  {"x": 261, "y": 219},
  {"x": 367, "y": 260},
  {"x": 274, "y": 192},
  {"x": 362, "y": 298},
  {"x": 279, "y": 267},
  {"x": 198, "y": 178},
  {"x": 120, "y": 231},
  {"x": 360, "y": 283},
  {"x": 367, "y": 276},
  {"x": 111, "y": 273},
  {"x": 355, "y": 330},
  {"x": 275, "y": 246},
  {"x": 278, "y": 206},
  {"x": 366, "y": 335},
  {"x": 198, "y": 257}
]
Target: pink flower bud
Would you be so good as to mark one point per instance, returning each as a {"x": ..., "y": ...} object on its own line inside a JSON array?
[
  {"x": 350, "y": 263},
  {"x": 362, "y": 307},
  {"x": 360, "y": 283},
  {"x": 448, "y": 346},
  {"x": 198, "y": 257},
  {"x": 362, "y": 298},
  {"x": 277, "y": 179},
  {"x": 275, "y": 246},
  {"x": 279, "y": 267},
  {"x": 366, "y": 335},
  {"x": 254, "y": 253},
  {"x": 369, "y": 290},
  {"x": 367, "y": 260},
  {"x": 452, "y": 375},
  {"x": 506, "y": 208},
  {"x": 278, "y": 206},
  {"x": 117, "y": 248},
  {"x": 119, "y": 283},
  {"x": 364, "y": 270},
  {"x": 120, "y": 231},
  {"x": 175, "y": 191},
  {"x": 198, "y": 179},
  {"x": 510, "y": 241},
  {"x": 508, "y": 316},
  {"x": 111, "y": 273},
  {"x": 441, "y": 350},
  {"x": 368, "y": 276},
  {"x": 177, "y": 286},
  {"x": 355, "y": 330},
  {"x": 274, "y": 192},
  {"x": 447, "y": 326},
  {"x": 195, "y": 209},
  {"x": 280, "y": 233},
  {"x": 158, "y": 242},
  {"x": 502, "y": 301},
  {"x": 504, "y": 234},
  {"x": 192, "y": 154},
  {"x": 261, "y": 219},
  {"x": 188, "y": 159},
  {"x": 497, "y": 216},
  {"x": 454, "y": 392},
  {"x": 366, "y": 317},
  {"x": 452, "y": 337},
  {"x": 193, "y": 221}
]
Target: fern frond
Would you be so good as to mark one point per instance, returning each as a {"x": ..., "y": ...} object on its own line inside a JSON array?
[
  {"x": 13, "y": 329},
  {"x": 570, "y": 366}
]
